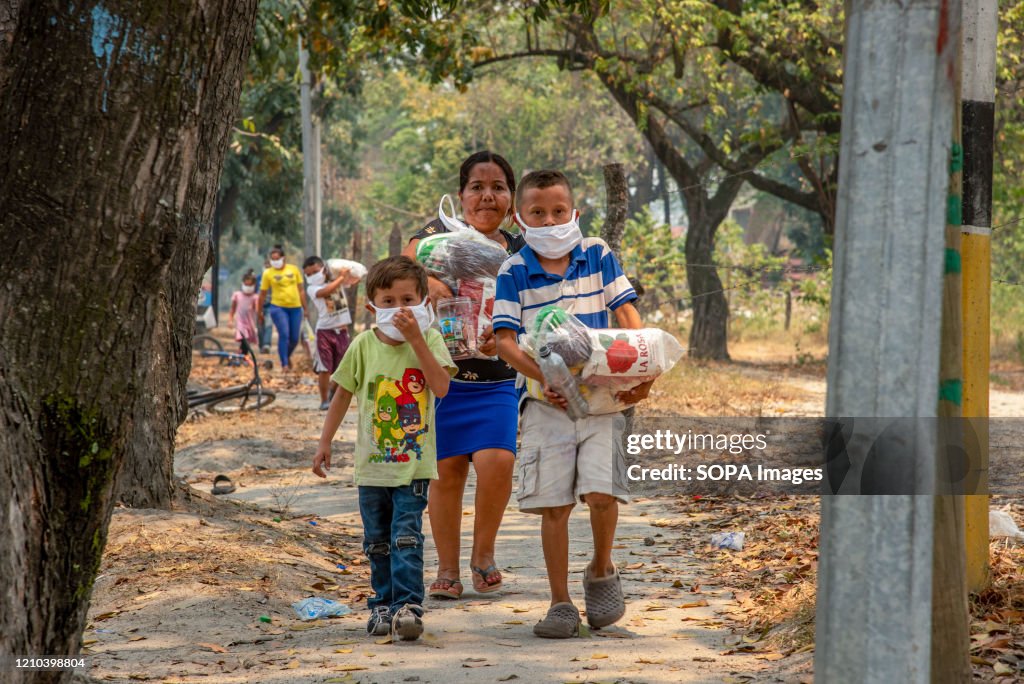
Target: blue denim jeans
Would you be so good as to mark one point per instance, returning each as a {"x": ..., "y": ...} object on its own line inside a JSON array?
[
  {"x": 393, "y": 541},
  {"x": 288, "y": 321}
]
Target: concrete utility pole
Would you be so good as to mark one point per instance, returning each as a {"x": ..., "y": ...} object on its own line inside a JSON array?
[
  {"x": 310, "y": 161},
  {"x": 874, "y": 618},
  {"x": 980, "y": 26}
]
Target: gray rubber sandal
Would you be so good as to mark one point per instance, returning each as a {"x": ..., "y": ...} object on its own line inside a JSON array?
[
  {"x": 603, "y": 597},
  {"x": 561, "y": 622}
]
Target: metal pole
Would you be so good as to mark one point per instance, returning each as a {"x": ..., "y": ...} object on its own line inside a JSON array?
[
  {"x": 980, "y": 24},
  {"x": 317, "y": 189},
  {"x": 215, "y": 280},
  {"x": 308, "y": 171},
  {"x": 874, "y": 616}
]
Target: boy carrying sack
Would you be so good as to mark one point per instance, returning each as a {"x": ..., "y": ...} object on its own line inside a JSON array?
[
  {"x": 561, "y": 459},
  {"x": 394, "y": 370}
]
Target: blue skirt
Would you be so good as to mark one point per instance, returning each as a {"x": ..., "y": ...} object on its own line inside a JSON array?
[{"x": 475, "y": 416}]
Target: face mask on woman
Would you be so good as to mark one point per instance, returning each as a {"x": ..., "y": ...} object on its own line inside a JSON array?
[
  {"x": 423, "y": 313},
  {"x": 277, "y": 263},
  {"x": 552, "y": 242},
  {"x": 316, "y": 279},
  {"x": 248, "y": 289}
]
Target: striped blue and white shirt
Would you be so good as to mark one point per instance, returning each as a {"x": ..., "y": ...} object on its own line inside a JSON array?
[{"x": 592, "y": 285}]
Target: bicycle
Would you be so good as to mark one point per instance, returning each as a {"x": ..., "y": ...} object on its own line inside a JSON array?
[
  {"x": 245, "y": 397},
  {"x": 233, "y": 358},
  {"x": 206, "y": 343}
]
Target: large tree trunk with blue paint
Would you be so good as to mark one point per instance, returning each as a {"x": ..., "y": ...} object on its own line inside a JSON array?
[{"x": 114, "y": 120}]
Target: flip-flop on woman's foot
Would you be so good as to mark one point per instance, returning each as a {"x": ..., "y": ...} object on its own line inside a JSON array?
[
  {"x": 445, "y": 588},
  {"x": 480, "y": 583}
]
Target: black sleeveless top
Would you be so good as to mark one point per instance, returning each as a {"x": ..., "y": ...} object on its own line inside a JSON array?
[{"x": 479, "y": 370}]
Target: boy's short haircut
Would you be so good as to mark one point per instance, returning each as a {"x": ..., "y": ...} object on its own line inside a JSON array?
[
  {"x": 545, "y": 178},
  {"x": 312, "y": 261},
  {"x": 385, "y": 272}
]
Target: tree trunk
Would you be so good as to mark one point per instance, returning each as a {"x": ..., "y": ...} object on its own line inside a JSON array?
[
  {"x": 616, "y": 205},
  {"x": 708, "y": 338},
  {"x": 115, "y": 124}
]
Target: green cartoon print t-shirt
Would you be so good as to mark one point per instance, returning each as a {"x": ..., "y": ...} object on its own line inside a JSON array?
[{"x": 395, "y": 442}]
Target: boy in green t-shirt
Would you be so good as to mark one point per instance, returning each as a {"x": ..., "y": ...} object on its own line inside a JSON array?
[{"x": 394, "y": 370}]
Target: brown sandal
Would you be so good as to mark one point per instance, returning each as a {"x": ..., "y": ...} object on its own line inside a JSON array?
[{"x": 445, "y": 588}]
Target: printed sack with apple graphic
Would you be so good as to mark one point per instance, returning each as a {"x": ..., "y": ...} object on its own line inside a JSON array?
[{"x": 606, "y": 360}]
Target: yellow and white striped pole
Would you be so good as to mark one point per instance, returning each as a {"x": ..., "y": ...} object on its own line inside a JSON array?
[{"x": 980, "y": 24}]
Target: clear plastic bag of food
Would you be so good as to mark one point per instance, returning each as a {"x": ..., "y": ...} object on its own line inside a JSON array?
[
  {"x": 461, "y": 256},
  {"x": 480, "y": 292},
  {"x": 356, "y": 270},
  {"x": 563, "y": 333}
]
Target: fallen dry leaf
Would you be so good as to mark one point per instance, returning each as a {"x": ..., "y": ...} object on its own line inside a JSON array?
[
  {"x": 693, "y": 604},
  {"x": 214, "y": 647}
]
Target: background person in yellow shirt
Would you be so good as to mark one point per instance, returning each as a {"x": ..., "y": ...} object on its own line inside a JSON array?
[{"x": 284, "y": 282}]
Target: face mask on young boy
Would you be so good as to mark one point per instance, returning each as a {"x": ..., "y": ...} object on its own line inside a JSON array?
[
  {"x": 552, "y": 242},
  {"x": 316, "y": 279},
  {"x": 248, "y": 289},
  {"x": 423, "y": 313}
]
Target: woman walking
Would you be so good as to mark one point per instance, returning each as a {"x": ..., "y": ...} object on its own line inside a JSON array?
[
  {"x": 476, "y": 422},
  {"x": 284, "y": 282}
]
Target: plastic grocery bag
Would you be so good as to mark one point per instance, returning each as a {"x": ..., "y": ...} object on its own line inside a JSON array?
[
  {"x": 465, "y": 255},
  {"x": 315, "y": 607},
  {"x": 563, "y": 333}
]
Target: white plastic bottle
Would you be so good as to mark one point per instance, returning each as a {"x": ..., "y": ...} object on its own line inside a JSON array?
[{"x": 561, "y": 380}]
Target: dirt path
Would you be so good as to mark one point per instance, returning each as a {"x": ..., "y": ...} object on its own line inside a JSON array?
[{"x": 181, "y": 594}]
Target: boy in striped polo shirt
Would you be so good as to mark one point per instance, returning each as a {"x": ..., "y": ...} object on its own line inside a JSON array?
[{"x": 559, "y": 459}]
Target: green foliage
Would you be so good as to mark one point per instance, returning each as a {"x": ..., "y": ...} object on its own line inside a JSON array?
[
  {"x": 655, "y": 264},
  {"x": 528, "y": 113},
  {"x": 757, "y": 283}
]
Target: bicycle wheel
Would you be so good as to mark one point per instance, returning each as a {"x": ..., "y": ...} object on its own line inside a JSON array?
[
  {"x": 203, "y": 343},
  {"x": 242, "y": 402}
]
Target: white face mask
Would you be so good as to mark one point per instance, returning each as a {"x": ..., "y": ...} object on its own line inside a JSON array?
[
  {"x": 316, "y": 279},
  {"x": 277, "y": 263},
  {"x": 552, "y": 242},
  {"x": 248, "y": 289},
  {"x": 423, "y": 312},
  {"x": 450, "y": 222}
]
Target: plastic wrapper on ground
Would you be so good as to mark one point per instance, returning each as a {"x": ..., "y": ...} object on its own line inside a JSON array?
[{"x": 315, "y": 607}]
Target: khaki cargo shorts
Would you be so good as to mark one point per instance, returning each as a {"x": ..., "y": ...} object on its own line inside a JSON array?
[{"x": 560, "y": 461}]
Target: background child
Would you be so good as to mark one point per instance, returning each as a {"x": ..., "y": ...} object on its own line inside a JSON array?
[
  {"x": 325, "y": 290},
  {"x": 561, "y": 460},
  {"x": 242, "y": 315},
  {"x": 395, "y": 456}
]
